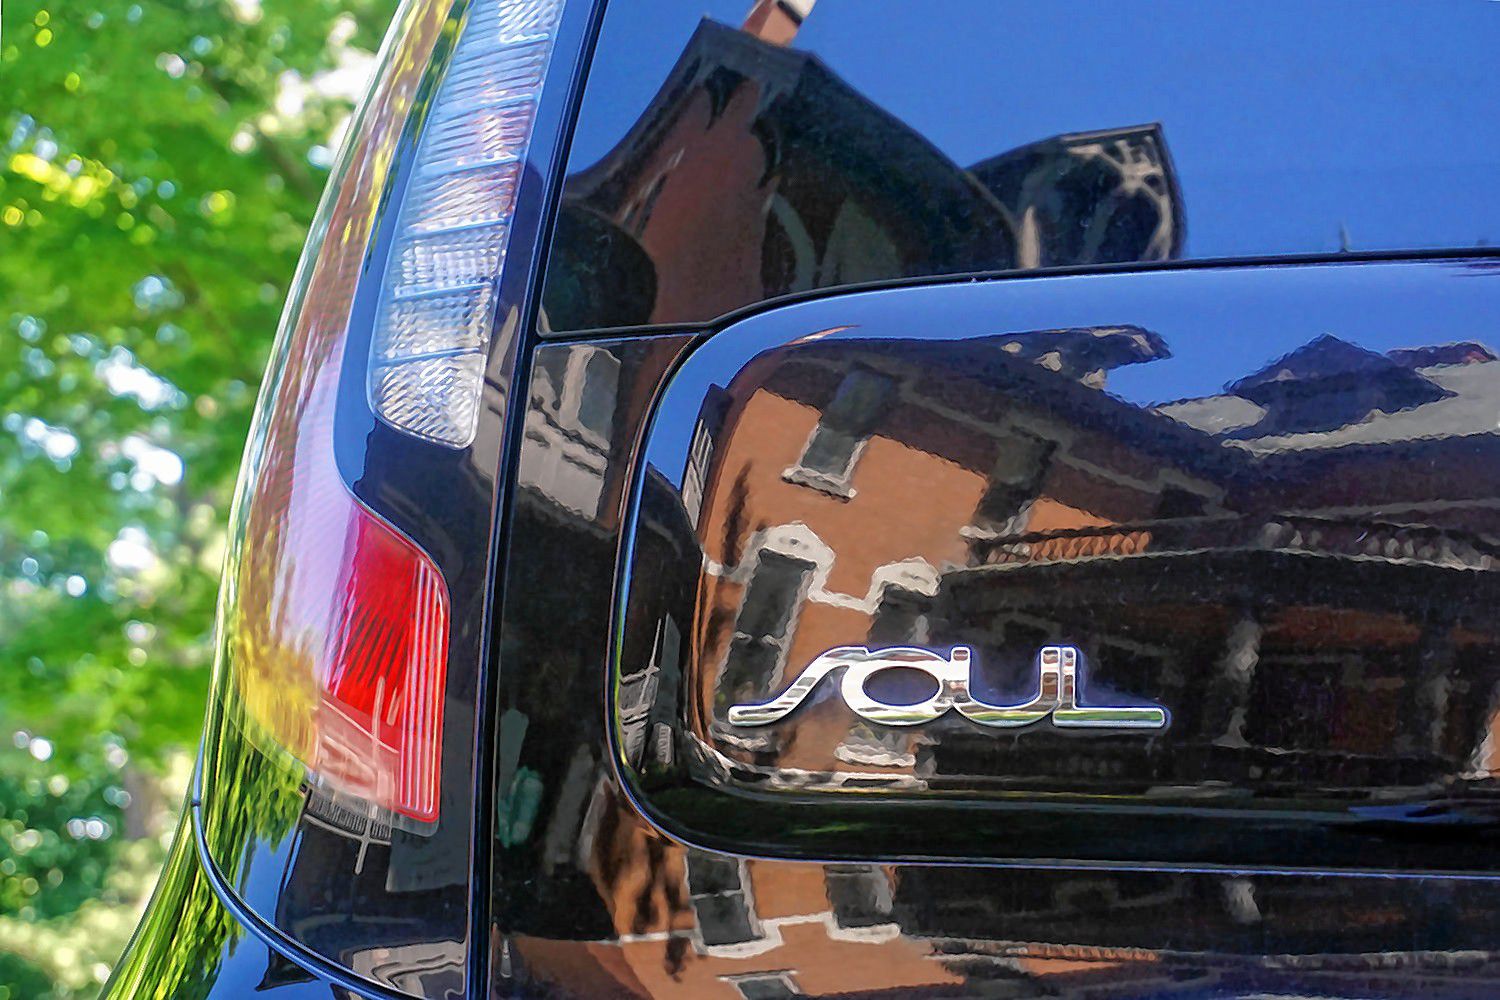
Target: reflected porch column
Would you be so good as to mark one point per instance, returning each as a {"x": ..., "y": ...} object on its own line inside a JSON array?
[
  {"x": 1484, "y": 755},
  {"x": 1430, "y": 688},
  {"x": 1240, "y": 902},
  {"x": 1227, "y": 702}
]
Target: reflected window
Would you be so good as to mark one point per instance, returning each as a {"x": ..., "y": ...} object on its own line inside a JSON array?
[
  {"x": 761, "y": 633},
  {"x": 552, "y": 371},
  {"x": 858, "y": 249},
  {"x": 718, "y": 886},
  {"x": 596, "y": 404},
  {"x": 1016, "y": 477},
  {"x": 1296, "y": 702},
  {"x": 766, "y": 986},
  {"x": 570, "y": 423},
  {"x": 846, "y": 423},
  {"x": 701, "y": 452},
  {"x": 580, "y": 387},
  {"x": 901, "y": 618},
  {"x": 859, "y": 894},
  {"x": 694, "y": 477},
  {"x": 637, "y": 698},
  {"x": 787, "y": 251},
  {"x": 1177, "y": 502}
]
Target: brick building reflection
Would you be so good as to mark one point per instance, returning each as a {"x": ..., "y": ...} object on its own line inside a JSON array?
[
  {"x": 883, "y": 493},
  {"x": 758, "y": 172},
  {"x": 897, "y": 493}
]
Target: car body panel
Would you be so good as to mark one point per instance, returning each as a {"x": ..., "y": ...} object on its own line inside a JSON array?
[
  {"x": 593, "y": 898},
  {"x": 883, "y": 142},
  {"x": 693, "y": 218},
  {"x": 1267, "y": 546}
]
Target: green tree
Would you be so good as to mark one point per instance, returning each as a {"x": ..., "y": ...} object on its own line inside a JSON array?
[{"x": 159, "y": 163}]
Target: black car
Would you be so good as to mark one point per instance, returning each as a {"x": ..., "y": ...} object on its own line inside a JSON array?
[{"x": 882, "y": 500}]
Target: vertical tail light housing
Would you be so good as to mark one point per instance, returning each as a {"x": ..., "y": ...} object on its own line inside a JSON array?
[
  {"x": 351, "y": 615},
  {"x": 337, "y": 634}
]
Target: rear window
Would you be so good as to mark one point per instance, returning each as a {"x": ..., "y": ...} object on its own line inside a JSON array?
[{"x": 722, "y": 159}]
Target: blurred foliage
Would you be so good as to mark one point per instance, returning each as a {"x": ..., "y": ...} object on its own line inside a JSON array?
[
  {"x": 159, "y": 163},
  {"x": 55, "y": 834}
]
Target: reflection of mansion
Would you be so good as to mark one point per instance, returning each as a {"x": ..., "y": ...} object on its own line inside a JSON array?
[
  {"x": 993, "y": 482},
  {"x": 873, "y": 492},
  {"x": 876, "y": 491},
  {"x": 821, "y": 187},
  {"x": 695, "y": 924}
]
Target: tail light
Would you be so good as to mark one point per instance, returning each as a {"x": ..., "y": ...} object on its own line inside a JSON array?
[
  {"x": 432, "y": 331},
  {"x": 336, "y": 624},
  {"x": 338, "y": 634}
]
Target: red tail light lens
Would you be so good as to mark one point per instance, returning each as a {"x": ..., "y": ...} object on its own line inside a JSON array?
[
  {"x": 381, "y": 707},
  {"x": 340, "y": 624},
  {"x": 336, "y": 625},
  {"x": 338, "y": 628},
  {"x": 337, "y": 782}
]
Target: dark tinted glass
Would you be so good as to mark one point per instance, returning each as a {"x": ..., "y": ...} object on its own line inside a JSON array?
[{"x": 720, "y": 161}]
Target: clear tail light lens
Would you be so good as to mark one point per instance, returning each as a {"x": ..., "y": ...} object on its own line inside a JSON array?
[{"x": 428, "y": 354}]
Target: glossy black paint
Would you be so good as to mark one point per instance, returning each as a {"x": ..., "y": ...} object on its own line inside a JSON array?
[
  {"x": 1297, "y": 567},
  {"x": 593, "y": 899},
  {"x": 390, "y": 904},
  {"x": 363, "y": 900},
  {"x": 589, "y": 897},
  {"x": 715, "y": 167},
  {"x": 196, "y": 941}
]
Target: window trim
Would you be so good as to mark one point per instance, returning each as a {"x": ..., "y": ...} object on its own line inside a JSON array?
[
  {"x": 837, "y": 484},
  {"x": 760, "y": 941},
  {"x": 782, "y": 644},
  {"x": 784, "y": 976}
]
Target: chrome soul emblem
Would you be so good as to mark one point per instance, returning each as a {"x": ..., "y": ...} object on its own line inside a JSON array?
[{"x": 1057, "y": 692}]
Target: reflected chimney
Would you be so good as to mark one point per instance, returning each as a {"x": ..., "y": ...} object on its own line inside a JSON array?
[{"x": 777, "y": 21}]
